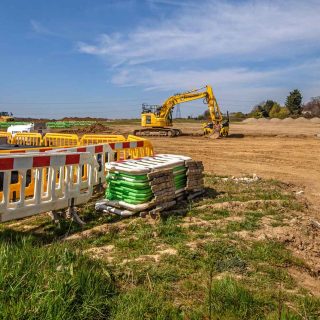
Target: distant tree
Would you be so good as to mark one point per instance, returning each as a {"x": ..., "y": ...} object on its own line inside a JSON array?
[
  {"x": 294, "y": 102},
  {"x": 204, "y": 116},
  {"x": 278, "y": 112},
  {"x": 274, "y": 111},
  {"x": 237, "y": 115},
  {"x": 262, "y": 109},
  {"x": 258, "y": 111},
  {"x": 312, "y": 108},
  {"x": 283, "y": 113},
  {"x": 268, "y": 105}
]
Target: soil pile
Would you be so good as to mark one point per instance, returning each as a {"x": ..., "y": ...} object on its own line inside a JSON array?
[
  {"x": 315, "y": 120},
  {"x": 288, "y": 120},
  {"x": 250, "y": 120},
  {"x": 301, "y": 120},
  {"x": 94, "y": 128},
  {"x": 263, "y": 120},
  {"x": 275, "y": 120}
]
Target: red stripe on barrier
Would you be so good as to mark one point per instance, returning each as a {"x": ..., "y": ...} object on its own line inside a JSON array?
[
  {"x": 17, "y": 151},
  {"x": 112, "y": 145},
  {"x": 44, "y": 150},
  {"x": 98, "y": 149},
  {"x": 82, "y": 149},
  {"x": 125, "y": 145},
  {"x": 140, "y": 143},
  {"x": 41, "y": 161},
  {"x": 6, "y": 164},
  {"x": 72, "y": 159}
]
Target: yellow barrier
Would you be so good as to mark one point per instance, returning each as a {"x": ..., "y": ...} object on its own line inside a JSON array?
[
  {"x": 6, "y": 135},
  {"x": 27, "y": 139},
  {"x": 60, "y": 139},
  {"x": 145, "y": 151},
  {"x": 88, "y": 139}
]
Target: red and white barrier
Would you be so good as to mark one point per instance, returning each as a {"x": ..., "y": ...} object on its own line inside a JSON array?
[
  {"x": 56, "y": 178},
  {"x": 58, "y": 182}
]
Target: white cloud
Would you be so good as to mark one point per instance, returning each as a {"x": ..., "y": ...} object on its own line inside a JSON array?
[
  {"x": 184, "y": 51},
  {"x": 239, "y": 86},
  {"x": 217, "y": 28}
]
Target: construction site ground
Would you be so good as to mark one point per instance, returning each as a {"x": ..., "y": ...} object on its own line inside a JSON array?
[{"x": 248, "y": 249}]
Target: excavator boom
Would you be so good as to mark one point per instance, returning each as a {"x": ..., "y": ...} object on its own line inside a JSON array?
[{"x": 156, "y": 119}]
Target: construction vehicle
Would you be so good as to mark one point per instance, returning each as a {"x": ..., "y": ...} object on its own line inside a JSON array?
[
  {"x": 6, "y": 117},
  {"x": 156, "y": 119}
]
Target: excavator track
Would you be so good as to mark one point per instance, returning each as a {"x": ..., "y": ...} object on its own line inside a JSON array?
[{"x": 157, "y": 132}]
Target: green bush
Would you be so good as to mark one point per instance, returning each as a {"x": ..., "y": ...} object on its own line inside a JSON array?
[{"x": 278, "y": 112}]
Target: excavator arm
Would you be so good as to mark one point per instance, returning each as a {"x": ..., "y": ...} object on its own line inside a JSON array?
[
  {"x": 196, "y": 94},
  {"x": 155, "y": 120}
]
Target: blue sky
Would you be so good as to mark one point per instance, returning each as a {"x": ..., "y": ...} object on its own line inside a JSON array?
[{"x": 106, "y": 57}]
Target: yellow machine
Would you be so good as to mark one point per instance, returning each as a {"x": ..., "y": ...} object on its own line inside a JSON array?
[
  {"x": 6, "y": 117},
  {"x": 155, "y": 119}
]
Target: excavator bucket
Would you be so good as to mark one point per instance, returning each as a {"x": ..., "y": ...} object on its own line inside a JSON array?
[{"x": 214, "y": 135}]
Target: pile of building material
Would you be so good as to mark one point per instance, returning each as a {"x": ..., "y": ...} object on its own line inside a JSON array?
[
  {"x": 151, "y": 184},
  {"x": 195, "y": 183}
]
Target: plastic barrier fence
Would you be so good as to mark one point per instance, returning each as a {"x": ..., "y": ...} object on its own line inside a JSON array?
[
  {"x": 6, "y": 135},
  {"x": 68, "y": 124},
  {"x": 11, "y": 123},
  {"x": 65, "y": 140},
  {"x": 32, "y": 178},
  {"x": 27, "y": 139},
  {"x": 148, "y": 148},
  {"x": 88, "y": 139},
  {"x": 58, "y": 140},
  {"x": 43, "y": 182}
]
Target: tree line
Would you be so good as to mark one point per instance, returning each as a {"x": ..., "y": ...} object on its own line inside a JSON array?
[{"x": 293, "y": 107}]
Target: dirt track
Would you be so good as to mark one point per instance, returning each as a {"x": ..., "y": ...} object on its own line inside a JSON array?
[{"x": 285, "y": 151}]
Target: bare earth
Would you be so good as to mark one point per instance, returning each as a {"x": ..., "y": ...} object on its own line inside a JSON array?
[{"x": 287, "y": 151}]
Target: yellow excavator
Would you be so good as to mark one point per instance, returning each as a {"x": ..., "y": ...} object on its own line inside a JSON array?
[
  {"x": 6, "y": 117},
  {"x": 155, "y": 119}
]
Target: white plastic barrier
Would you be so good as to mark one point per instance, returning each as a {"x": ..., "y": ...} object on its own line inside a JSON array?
[
  {"x": 144, "y": 165},
  {"x": 47, "y": 179},
  {"x": 109, "y": 152},
  {"x": 58, "y": 182}
]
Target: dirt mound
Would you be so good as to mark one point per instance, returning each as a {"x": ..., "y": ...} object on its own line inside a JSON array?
[
  {"x": 275, "y": 120},
  {"x": 97, "y": 128},
  {"x": 288, "y": 120},
  {"x": 94, "y": 128},
  {"x": 250, "y": 120},
  {"x": 301, "y": 119},
  {"x": 263, "y": 120},
  {"x": 315, "y": 120},
  {"x": 84, "y": 119}
]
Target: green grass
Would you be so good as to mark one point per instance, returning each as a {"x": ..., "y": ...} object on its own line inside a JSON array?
[
  {"x": 51, "y": 282},
  {"x": 212, "y": 273}
]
